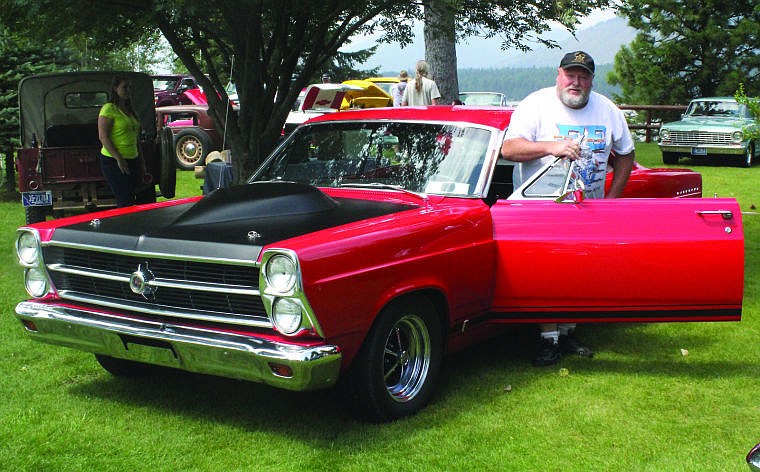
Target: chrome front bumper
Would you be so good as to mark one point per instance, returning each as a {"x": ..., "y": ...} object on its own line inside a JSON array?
[
  {"x": 192, "y": 349},
  {"x": 709, "y": 149}
]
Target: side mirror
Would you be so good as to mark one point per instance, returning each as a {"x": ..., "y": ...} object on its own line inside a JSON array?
[{"x": 753, "y": 459}]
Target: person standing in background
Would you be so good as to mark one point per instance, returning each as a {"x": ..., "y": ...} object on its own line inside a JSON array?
[
  {"x": 397, "y": 90},
  {"x": 423, "y": 91},
  {"x": 121, "y": 162}
]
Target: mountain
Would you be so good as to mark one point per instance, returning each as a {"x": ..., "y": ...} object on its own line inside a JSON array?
[{"x": 602, "y": 40}]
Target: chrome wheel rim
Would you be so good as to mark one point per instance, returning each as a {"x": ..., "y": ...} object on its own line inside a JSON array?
[
  {"x": 189, "y": 150},
  {"x": 406, "y": 358}
]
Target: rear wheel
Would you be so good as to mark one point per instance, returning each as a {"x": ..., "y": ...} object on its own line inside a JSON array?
[
  {"x": 669, "y": 157},
  {"x": 191, "y": 147},
  {"x": 35, "y": 214},
  {"x": 395, "y": 372}
]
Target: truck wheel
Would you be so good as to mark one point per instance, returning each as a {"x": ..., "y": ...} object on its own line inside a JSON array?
[
  {"x": 35, "y": 214},
  {"x": 167, "y": 181},
  {"x": 191, "y": 147},
  {"x": 395, "y": 371},
  {"x": 670, "y": 157},
  {"x": 124, "y": 368}
]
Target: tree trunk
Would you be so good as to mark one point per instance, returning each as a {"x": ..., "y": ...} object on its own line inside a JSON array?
[{"x": 440, "y": 47}]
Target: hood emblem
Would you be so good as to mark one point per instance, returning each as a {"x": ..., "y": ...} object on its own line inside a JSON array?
[
  {"x": 139, "y": 282},
  {"x": 253, "y": 236}
]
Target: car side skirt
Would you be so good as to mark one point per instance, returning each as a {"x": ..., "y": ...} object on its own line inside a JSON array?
[{"x": 619, "y": 316}]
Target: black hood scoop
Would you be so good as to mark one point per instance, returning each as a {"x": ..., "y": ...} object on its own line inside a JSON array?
[{"x": 257, "y": 200}]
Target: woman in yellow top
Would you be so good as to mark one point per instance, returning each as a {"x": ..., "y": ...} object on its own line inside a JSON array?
[{"x": 121, "y": 163}]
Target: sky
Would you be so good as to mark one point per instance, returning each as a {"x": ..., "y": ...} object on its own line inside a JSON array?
[{"x": 475, "y": 53}]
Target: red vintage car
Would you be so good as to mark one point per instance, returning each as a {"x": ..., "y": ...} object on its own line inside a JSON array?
[{"x": 368, "y": 245}]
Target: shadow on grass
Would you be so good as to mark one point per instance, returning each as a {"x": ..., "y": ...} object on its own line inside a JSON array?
[{"x": 469, "y": 377}]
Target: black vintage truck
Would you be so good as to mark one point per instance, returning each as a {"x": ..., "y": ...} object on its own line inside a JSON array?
[{"x": 57, "y": 164}]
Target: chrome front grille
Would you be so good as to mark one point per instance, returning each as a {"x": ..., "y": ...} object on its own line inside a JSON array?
[
  {"x": 188, "y": 289},
  {"x": 696, "y": 138}
]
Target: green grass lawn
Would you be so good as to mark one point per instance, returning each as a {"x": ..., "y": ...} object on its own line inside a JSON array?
[{"x": 639, "y": 405}]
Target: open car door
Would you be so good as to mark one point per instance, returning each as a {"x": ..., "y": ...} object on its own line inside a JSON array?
[{"x": 574, "y": 260}]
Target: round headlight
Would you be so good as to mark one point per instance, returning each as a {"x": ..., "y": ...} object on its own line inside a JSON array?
[
  {"x": 737, "y": 137},
  {"x": 664, "y": 134},
  {"x": 286, "y": 315},
  {"x": 27, "y": 248},
  {"x": 281, "y": 273},
  {"x": 35, "y": 282}
]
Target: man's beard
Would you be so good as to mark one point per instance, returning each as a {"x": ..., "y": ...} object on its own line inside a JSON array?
[{"x": 574, "y": 101}]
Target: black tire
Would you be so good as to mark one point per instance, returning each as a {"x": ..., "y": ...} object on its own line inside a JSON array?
[
  {"x": 35, "y": 214},
  {"x": 749, "y": 154},
  {"x": 395, "y": 372},
  {"x": 191, "y": 147},
  {"x": 124, "y": 368},
  {"x": 669, "y": 158},
  {"x": 167, "y": 182}
]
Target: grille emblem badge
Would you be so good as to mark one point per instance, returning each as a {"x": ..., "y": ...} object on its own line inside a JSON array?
[{"x": 139, "y": 282}]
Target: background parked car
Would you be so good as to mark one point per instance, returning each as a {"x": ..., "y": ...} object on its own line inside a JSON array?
[
  {"x": 483, "y": 98},
  {"x": 169, "y": 89},
  {"x": 57, "y": 164},
  {"x": 712, "y": 128},
  {"x": 194, "y": 133}
]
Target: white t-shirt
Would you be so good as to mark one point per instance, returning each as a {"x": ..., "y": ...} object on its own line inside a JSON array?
[
  {"x": 600, "y": 125},
  {"x": 397, "y": 92},
  {"x": 429, "y": 92}
]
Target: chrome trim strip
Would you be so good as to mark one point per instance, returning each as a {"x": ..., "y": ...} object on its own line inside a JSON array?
[
  {"x": 157, "y": 282},
  {"x": 151, "y": 309},
  {"x": 194, "y": 349},
  {"x": 156, "y": 255}
]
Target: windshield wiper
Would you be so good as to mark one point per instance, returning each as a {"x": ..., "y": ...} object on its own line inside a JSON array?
[{"x": 378, "y": 185}]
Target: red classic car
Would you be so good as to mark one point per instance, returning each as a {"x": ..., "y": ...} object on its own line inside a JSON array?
[{"x": 365, "y": 247}]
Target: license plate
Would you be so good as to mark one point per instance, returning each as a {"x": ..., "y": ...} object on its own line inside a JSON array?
[
  {"x": 37, "y": 198},
  {"x": 697, "y": 151}
]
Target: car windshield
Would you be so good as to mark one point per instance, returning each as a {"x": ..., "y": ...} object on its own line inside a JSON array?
[
  {"x": 164, "y": 84},
  {"x": 480, "y": 98},
  {"x": 715, "y": 108},
  {"x": 443, "y": 159}
]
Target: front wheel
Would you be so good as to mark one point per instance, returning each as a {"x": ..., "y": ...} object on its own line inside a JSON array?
[
  {"x": 124, "y": 368},
  {"x": 669, "y": 158},
  {"x": 395, "y": 372}
]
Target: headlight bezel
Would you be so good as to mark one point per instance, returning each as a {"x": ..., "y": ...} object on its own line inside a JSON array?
[
  {"x": 737, "y": 136},
  {"x": 664, "y": 134}
]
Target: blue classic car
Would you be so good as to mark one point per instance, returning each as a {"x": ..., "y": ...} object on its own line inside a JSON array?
[{"x": 711, "y": 127}]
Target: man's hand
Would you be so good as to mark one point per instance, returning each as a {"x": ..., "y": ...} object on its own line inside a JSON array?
[{"x": 566, "y": 148}]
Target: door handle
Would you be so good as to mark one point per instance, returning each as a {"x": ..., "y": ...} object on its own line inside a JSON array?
[{"x": 726, "y": 214}]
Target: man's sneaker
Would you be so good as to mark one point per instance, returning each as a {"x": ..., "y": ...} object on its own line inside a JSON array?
[
  {"x": 571, "y": 345},
  {"x": 548, "y": 354}
]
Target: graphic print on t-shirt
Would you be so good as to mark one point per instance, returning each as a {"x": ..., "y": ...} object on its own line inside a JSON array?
[{"x": 592, "y": 166}]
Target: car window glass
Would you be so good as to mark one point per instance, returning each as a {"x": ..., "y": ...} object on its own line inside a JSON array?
[
  {"x": 421, "y": 157},
  {"x": 550, "y": 182},
  {"x": 85, "y": 99}
]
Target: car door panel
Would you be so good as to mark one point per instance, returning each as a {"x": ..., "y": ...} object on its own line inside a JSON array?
[{"x": 619, "y": 260}]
